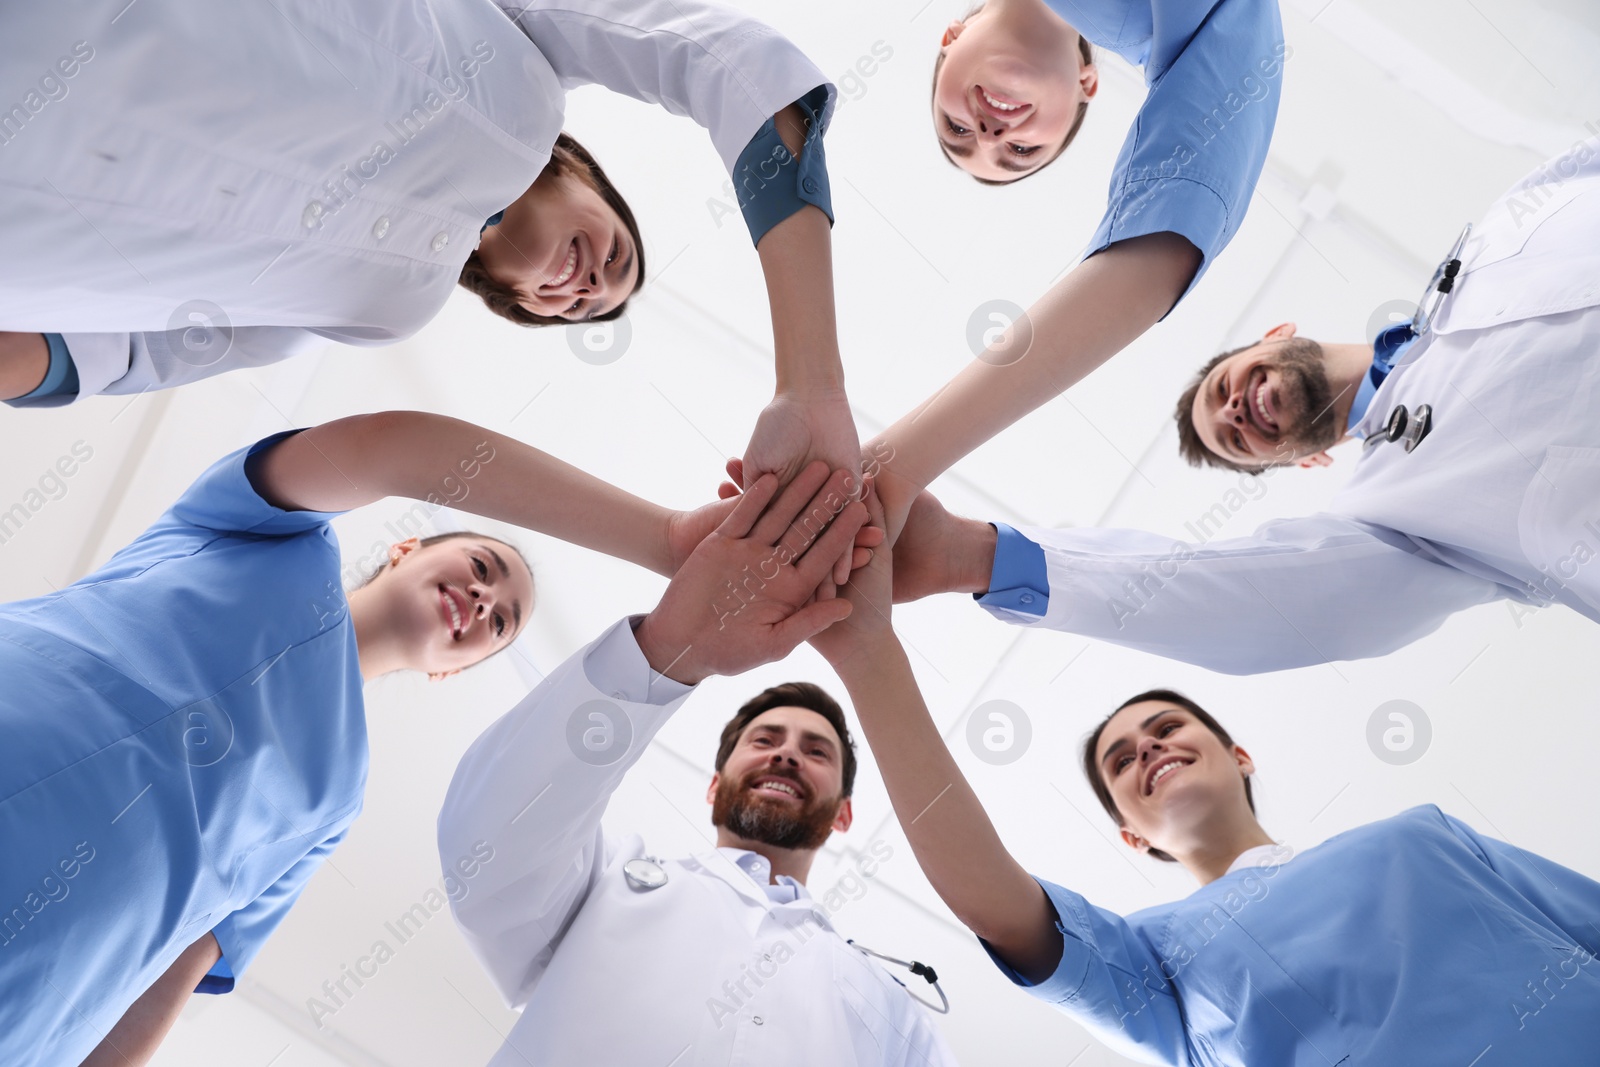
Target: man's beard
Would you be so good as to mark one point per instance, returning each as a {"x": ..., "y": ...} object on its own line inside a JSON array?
[
  {"x": 769, "y": 821},
  {"x": 1305, "y": 393}
]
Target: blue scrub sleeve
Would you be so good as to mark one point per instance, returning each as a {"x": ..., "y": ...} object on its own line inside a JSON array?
[
  {"x": 1110, "y": 980},
  {"x": 1192, "y": 158},
  {"x": 771, "y": 184},
  {"x": 224, "y": 499},
  {"x": 1570, "y": 900},
  {"x": 60, "y": 378},
  {"x": 242, "y": 933},
  {"x": 1019, "y": 580}
]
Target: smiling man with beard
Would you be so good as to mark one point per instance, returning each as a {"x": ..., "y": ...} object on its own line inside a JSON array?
[
  {"x": 1479, "y": 478},
  {"x": 615, "y": 955}
]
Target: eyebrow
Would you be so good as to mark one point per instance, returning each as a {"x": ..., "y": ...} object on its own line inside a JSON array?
[
  {"x": 1142, "y": 726},
  {"x": 965, "y": 152},
  {"x": 505, "y": 572}
]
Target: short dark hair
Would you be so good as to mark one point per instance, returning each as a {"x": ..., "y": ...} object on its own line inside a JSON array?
[
  {"x": 1091, "y": 766},
  {"x": 793, "y": 695},
  {"x": 1085, "y": 50},
  {"x": 1190, "y": 447},
  {"x": 569, "y": 159}
]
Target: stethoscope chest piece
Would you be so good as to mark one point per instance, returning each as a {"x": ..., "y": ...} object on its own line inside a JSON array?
[
  {"x": 644, "y": 874},
  {"x": 1406, "y": 427}
]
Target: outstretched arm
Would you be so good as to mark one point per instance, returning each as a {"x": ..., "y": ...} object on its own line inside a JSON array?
[
  {"x": 357, "y": 460},
  {"x": 1093, "y": 313},
  {"x": 954, "y": 841}
]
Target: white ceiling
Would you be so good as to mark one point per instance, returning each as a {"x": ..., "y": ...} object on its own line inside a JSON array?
[{"x": 1398, "y": 124}]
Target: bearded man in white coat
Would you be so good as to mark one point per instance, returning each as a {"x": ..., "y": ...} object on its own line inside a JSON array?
[{"x": 1479, "y": 478}]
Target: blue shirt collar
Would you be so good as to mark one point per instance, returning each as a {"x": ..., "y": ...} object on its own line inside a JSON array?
[
  {"x": 494, "y": 220},
  {"x": 1387, "y": 348}
]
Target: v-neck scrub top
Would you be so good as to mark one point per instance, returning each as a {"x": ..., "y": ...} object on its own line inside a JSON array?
[
  {"x": 1413, "y": 940},
  {"x": 184, "y": 743}
]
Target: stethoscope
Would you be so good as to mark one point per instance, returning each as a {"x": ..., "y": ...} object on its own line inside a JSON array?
[
  {"x": 1409, "y": 427},
  {"x": 647, "y": 873},
  {"x": 921, "y": 970}
]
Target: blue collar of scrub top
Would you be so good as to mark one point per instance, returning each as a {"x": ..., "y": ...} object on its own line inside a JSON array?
[
  {"x": 494, "y": 220},
  {"x": 1387, "y": 349}
]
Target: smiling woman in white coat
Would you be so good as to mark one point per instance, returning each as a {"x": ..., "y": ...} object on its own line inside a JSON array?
[{"x": 302, "y": 171}]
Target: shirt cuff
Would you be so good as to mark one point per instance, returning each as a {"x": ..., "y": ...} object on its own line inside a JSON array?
[
  {"x": 615, "y": 665},
  {"x": 1019, "y": 581},
  {"x": 771, "y": 184},
  {"x": 60, "y": 379}
]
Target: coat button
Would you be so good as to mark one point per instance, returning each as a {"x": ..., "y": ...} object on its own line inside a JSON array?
[
  {"x": 1026, "y": 598},
  {"x": 809, "y": 185},
  {"x": 440, "y": 239},
  {"x": 311, "y": 217},
  {"x": 380, "y": 229},
  {"x": 758, "y": 1020}
]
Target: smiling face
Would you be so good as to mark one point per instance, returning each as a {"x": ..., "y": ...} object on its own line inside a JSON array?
[
  {"x": 563, "y": 249},
  {"x": 1269, "y": 405},
  {"x": 1009, "y": 89},
  {"x": 782, "y": 783},
  {"x": 447, "y": 605},
  {"x": 1169, "y": 775}
]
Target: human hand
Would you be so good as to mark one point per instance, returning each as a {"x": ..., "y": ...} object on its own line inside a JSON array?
[
  {"x": 869, "y": 593},
  {"x": 797, "y": 428},
  {"x": 686, "y": 529},
  {"x": 867, "y": 538},
  {"x": 747, "y": 594}
]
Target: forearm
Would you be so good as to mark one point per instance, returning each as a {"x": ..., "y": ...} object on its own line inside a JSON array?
[
  {"x": 24, "y": 360},
  {"x": 142, "y": 1028},
  {"x": 358, "y": 460},
  {"x": 954, "y": 841},
  {"x": 797, "y": 262},
  {"x": 1093, "y": 313}
]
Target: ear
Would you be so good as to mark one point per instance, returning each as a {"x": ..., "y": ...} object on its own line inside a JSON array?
[
  {"x": 1089, "y": 80},
  {"x": 1321, "y": 459},
  {"x": 844, "y": 817},
  {"x": 1247, "y": 766},
  {"x": 1134, "y": 841},
  {"x": 951, "y": 32},
  {"x": 439, "y": 676},
  {"x": 1281, "y": 332},
  {"x": 711, "y": 790},
  {"x": 401, "y": 549}
]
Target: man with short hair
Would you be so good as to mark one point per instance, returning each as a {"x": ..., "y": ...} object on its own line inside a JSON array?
[
  {"x": 617, "y": 956},
  {"x": 1479, "y": 478}
]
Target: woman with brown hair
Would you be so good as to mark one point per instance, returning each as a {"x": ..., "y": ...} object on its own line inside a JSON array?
[
  {"x": 231, "y": 186},
  {"x": 1410, "y": 940}
]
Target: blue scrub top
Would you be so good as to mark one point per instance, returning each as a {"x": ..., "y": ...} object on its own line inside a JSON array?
[
  {"x": 1190, "y": 162},
  {"x": 1414, "y": 940},
  {"x": 184, "y": 743}
]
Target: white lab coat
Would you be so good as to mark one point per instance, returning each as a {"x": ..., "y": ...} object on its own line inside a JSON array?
[
  {"x": 1501, "y": 499},
  {"x": 316, "y": 170},
  {"x": 607, "y": 974}
]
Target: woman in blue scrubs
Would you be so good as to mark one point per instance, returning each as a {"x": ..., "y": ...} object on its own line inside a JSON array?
[
  {"x": 184, "y": 733},
  {"x": 1012, "y": 85},
  {"x": 1413, "y": 940}
]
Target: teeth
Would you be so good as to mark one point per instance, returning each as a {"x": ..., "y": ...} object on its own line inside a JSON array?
[
  {"x": 1164, "y": 771},
  {"x": 568, "y": 267},
  {"x": 997, "y": 105},
  {"x": 782, "y": 788},
  {"x": 1261, "y": 404},
  {"x": 455, "y": 613}
]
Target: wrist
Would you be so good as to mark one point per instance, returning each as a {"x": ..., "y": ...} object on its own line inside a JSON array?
[
  {"x": 975, "y": 573},
  {"x": 666, "y": 655},
  {"x": 869, "y": 654}
]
